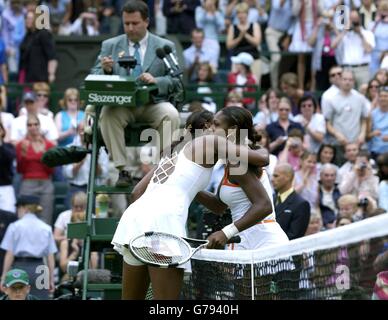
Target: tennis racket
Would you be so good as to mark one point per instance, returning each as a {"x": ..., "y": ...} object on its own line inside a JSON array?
[{"x": 164, "y": 250}]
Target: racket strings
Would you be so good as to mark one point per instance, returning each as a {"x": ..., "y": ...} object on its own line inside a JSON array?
[
  {"x": 161, "y": 249},
  {"x": 164, "y": 169}
]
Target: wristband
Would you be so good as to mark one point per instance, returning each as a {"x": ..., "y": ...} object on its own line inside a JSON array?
[{"x": 230, "y": 231}]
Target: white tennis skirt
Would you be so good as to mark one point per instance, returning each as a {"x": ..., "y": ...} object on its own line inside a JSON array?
[{"x": 160, "y": 209}]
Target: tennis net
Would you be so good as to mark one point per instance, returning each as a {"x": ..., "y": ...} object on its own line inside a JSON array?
[{"x": 341, "y": 263}]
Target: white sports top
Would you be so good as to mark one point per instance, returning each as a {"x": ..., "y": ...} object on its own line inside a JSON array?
[{"x": 236, "y": 199}]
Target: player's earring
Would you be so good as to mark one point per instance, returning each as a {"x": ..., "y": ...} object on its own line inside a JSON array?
[
  {"x": 232, "y": 136},
  {"x": 187, "y": 130}
]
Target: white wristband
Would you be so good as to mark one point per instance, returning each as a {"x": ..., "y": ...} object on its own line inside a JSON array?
[{"x": 230, "y": 231}]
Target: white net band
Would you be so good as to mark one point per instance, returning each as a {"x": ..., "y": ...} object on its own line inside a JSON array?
[{"x": 358, "y": 231}]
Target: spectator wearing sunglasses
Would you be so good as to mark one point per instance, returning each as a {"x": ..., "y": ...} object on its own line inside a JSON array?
[
  {"x": 372, "y": 92},
  {"x": 335, "y": 74},
  {"x": 68, "y": 119},
  {"x": 42, "y": 96},
  {"x": 36, "y": 176}
]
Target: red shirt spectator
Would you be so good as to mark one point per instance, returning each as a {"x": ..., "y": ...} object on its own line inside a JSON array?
[
  {"x": 243, "y": 76},
  {"x": 29, "y": 162}
]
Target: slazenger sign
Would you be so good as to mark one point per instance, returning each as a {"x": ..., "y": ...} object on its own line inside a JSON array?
[{"x": 99, "y": 98}]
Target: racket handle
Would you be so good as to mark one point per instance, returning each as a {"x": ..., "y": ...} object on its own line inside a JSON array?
[{"x": 235, "y": 239}]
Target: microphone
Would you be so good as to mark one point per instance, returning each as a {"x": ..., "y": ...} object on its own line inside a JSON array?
[
  {"x": 162, "y": 55},
  {"x": 94, "y": 276},
  {"x": 168, "y": 51},
  {"x": 177, "y": 70}
]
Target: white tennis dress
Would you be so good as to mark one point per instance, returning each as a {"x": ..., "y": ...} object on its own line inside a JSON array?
[
  {"x": 163, "y": 207},
  {"x": 266, "y": 232}
]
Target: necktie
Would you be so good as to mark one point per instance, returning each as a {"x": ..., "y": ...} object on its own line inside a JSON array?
[
  {"x": 278, "y": 200},
  {"x": 137, "y": 71}
]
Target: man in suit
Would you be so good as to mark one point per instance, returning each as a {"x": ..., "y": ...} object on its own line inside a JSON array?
[
  {"x": 292, "y": 211},
  {"x": 141, "y": 44},
  {"x": 293, "y": 215}
]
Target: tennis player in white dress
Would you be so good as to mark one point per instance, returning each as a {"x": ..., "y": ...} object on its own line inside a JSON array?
[
  {"x": 163, "y": 207},
  {"x": 249, "y": 196},
  {"x": 265, "y": 232}
]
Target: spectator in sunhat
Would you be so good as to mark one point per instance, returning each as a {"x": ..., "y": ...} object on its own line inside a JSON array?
[{"x": 243, "y": 76}]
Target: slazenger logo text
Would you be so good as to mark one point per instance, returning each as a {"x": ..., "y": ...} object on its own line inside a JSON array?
[{"x": 96, "y": 98}]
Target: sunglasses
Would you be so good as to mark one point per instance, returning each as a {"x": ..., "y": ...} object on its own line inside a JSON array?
[
  {"x": 336, "y": 74},
  {"x": 32, "y": 124},
  {"x": 78, "y": 206},
  {"x": 72, "y": 100},
  {"x": 287, "y": 110},
  {"x": 42, "y": 95}
]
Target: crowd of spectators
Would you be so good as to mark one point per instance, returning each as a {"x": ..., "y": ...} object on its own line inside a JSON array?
[{"x": 327, "y": 116}]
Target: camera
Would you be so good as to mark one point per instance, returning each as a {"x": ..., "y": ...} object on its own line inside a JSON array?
[
  {"x": 363, "y": 202},
  {"x": 363, "y": 166},
  {"x": 127, "y": 62}
]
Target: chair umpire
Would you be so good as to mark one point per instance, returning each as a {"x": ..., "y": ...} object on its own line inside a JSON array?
[{"x": 141, "y": 44}]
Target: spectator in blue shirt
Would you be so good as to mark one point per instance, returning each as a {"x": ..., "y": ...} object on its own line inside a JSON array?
[
  {"x": 3, "y": 63},
  {"x": 200, "y": 51},
  {"x": 378, "y": 125}
]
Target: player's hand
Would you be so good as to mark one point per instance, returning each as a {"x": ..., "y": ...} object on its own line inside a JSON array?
[
  {"x": 217, "y": 240},
  {"x": 107, "y": 64},
  {"x": 147, "y": 78}
]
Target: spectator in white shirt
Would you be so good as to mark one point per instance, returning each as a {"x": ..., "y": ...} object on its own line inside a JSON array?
[
  {"x": 87, "y": 25},
  {"x": 78, "y": 207},
  {"x": 361, "y": 181},
  {"x": 312, "y": 122},
  {"x": 19, "y": 127},
  {"x": 355, "y": 45}
]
